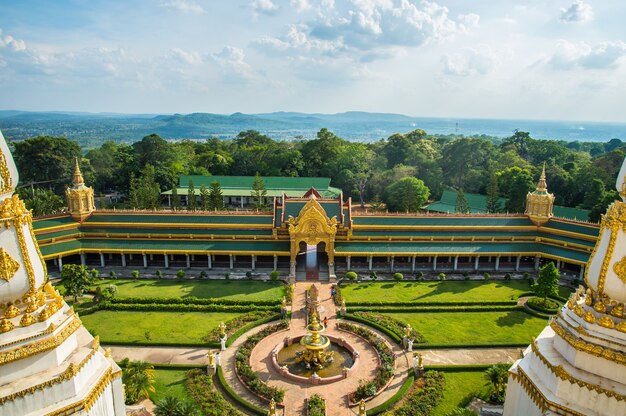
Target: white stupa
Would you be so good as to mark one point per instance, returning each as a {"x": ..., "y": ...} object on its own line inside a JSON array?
[
  {"x": 49, "y": 363},
  {"x": 577, "y": 365}
]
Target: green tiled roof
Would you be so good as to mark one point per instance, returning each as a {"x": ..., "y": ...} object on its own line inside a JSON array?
[
  {"x": 587, "y": 229},
  {"x": 57, "y": 234},
  {"x": 442, "y": 221},
  {"x": 175, "y": 231},
  {"x": 293, "y": 208},
  {"x": 177, "y": 219},
  {"x": 245, "y": 182},
  {"x": 166, "y": 245},
  {"x": 571, "y": 213},
  {"x": 53, "y": 222}
]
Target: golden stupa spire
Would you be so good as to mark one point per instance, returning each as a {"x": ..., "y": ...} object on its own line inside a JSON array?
[
  {"x": 542, "y": 186},
  {"x": 78, "y": 176}
]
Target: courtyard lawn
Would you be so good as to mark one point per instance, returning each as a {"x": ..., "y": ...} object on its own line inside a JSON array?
[
  {"x": 447, "y": 291},
  {"x": 460, "y": 388},
  {"x": 153, "y": 328},
  {"x": 223, "y": 289},
  {"x": 169, "y": 383},
  {"x": 474, "y": 328}
]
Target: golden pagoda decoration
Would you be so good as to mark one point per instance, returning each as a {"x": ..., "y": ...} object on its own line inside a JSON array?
[
  {"x": 539, "y": 202},
  {"x": 80, "y": 201}
]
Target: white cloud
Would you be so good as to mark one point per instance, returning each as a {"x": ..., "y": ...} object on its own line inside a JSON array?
[
  {"x": 183, "y": 6},
  {"x": 190, "y": 57},
  {"x": 264, "y": 7},
  {"x": 604, "y": 55},
  {"x": 9, "y": 41},
  {"x": 473, "y": 61},
  {"x": 577, "y": 12},
  {"x": 301, "y": 5},
  {"x": 233, "y": 63}
]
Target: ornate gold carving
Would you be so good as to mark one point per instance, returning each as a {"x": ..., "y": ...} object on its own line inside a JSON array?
[
  {"x": 8, "y": 265},
  {"x": 618, "y": 311},
  {"x": 27, "y": 320},
  {"x": 40, "y": 346},
  {"x": 6, "y": 325},
  {"x": 621, "y": 326},
  {"x": 313, "y": 226},
  {"x": 95, "y": 344},
  {"x": 11, "y": 311},
  {"x": 593, "y": 349},
  {"x": 600, "y": 306},
  {"x": 5, "y": 175},
  {"x": 620, "y": 269},
  {"x": 563, "y": 374},
  {"x": 606, "y": 322},
  {"x": 589, "y": 317},
  {"x": 578, "y": 310}
]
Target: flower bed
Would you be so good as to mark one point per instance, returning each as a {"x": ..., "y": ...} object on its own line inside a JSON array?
[
  {"x": 393, "y": 325},
  {"x": 422, "y": 401},
  {"x": 245, "y": 372},
  {"x": 235, "y": 324},
  {"x": 387, "y": 362},
  {"x": 201, "y": 389},
  {"x": 316, "y": 406}
]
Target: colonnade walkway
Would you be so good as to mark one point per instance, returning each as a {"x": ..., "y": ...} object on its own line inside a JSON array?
[{"x": 336, "y": 394}]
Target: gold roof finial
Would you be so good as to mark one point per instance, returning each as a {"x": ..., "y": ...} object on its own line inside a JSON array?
[
  {"x": 542, "y": 186},
  {"x": 78, "y": 177}
]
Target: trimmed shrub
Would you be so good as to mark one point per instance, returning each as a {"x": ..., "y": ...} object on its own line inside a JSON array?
[
  {"x": 316, "y": 406},
  {"x": 442, "y": 276},
  {"x": 419, "y": 276},
  {"x": 351, "y": 276},
  {"x": 507, "y": 276},
  {"x": 181, "y": 274},
  {"x": 112, "y": 275},
  {"x": 486, "y": 276},
  {"x": 227, "y": 275},
  {"x": 203, "y": 274},
  {"x": 94, "y": 274},
  {"x": 249, "y": 275},
  {"x": 159, "y": 274},
  {"x": 373, "y": 275},
  {"x": 536, "y": 303},
  {"x": 135, "y": 274},
  {"x": 274, "y": 275},
  {"x": 398, "y": 276}
]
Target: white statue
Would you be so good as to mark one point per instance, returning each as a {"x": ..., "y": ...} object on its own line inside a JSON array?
[
  {"x": 218, "y": 360},
  {"x": 223, "y": 344},
  {"x": 410, "y": 345}
]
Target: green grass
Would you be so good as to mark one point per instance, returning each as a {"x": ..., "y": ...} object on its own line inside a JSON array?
[
  {"x": 163, "y": 327},
  {"x": 474, "y": 328},
  {"x": 459, "y": 390},
  {"x": 448, "y": 291},
  {"x": 224, "y": 289},
  {"x": 169, "y": 383}
]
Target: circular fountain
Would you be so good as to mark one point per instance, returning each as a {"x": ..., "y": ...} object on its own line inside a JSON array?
[{"x": 315, "y": 355}]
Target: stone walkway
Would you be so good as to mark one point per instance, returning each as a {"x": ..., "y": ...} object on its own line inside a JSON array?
[{"x": 334, "y": 393}]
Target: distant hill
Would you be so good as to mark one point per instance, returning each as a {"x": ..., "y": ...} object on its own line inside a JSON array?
[{"x": 92, "y": 129}]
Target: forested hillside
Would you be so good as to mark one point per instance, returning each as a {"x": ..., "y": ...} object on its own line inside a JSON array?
[{"x": 580, "y": 174}]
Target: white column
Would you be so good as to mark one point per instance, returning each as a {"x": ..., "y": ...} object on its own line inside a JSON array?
[
  {"x": 101, "y": 260},
  {"x": 230, "y": 257},
  {"x": 275, "y": 262},
  {"x": 536, "y": 263},
  {"x": 151, "y": 257},
  {"x": 130, "y": 256},
  {"x": 209, "y": 264},
  {"x": 497, "y": 263},
  {"x": 456, "y": 262},
  {"x": 348, "y": 262},
  {"x": 369, "y": 260},
  {"x": 581, "y": 275},
  {"x": 123, "y": 259},
  {"x": 391, "y": 263},
  {"x": 242, "y": 202},
  {"x": 193, "y": 257},
  {"x": 253, "y": 261},
  {"x": 83, "y": 259},
  {"x": 188, "y": 261},
  {"x": 145, "y": 261},
  {"x": 517, "y": 260},
  {"x": 558, "y": 264},
  {"x": 434, "y": 263},
  {"x": 60, "y": 263},
  {"x": 413, "y": 263},
  {"x": 167, "y": 261},
  {"x": 476, "y": 262}
]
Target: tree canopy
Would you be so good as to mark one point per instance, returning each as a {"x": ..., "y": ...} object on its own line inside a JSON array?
[{"x": 406, "y": 195}]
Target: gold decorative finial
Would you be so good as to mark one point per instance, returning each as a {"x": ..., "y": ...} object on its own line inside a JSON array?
[
  {"x": 542, "y": 186},
  {"x": 78, "y": 176},
  {"x": 539, "y": 203}
]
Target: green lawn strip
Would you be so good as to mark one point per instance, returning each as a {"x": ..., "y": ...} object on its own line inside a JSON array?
[
  {"x": 248, "y": 290},
  {"x": 474, "y": 328},
  {"x": 429, "y": 292},
  {"x": 460, "y": 388},
  {"x": 154, "y": 328},
  {"x": 169, "y": 382}
]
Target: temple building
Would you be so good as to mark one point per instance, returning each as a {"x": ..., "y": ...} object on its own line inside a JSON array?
[
  {"x": 49, "y": 363},
  {"x": 315, "y": 235},
  {"x": 577, "y": 365}
]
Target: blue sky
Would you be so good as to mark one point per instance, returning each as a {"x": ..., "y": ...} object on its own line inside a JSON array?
[{"x": 561, "y": 59}]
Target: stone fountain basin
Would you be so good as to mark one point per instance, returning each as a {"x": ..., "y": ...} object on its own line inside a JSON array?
[{"x": 314, "y": 379}]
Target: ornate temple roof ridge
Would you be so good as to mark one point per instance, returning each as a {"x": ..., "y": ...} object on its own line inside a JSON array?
[{"x": 77, "y": 179}]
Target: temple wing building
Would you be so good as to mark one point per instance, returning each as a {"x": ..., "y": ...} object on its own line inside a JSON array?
[
  {"x": 49, "y": 363},
  {"x": 577, "y": 365}
]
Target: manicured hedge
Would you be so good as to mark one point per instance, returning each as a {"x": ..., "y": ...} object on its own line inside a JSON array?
[
  {"x": 381, "y": 328},
  {"x": 248, "y": 327},
  {"x": 470, "y": 346},
  {"x": 201, "y": 389},
  {"x": 526, "y": 294},
  {"x": 158, "y": 307},
  {"x": 192, "y": 300},
  {"x": 536, "y": 304},
  {"x": 234, "y": 396},
  {"x": 395, "y": 326},
  {"x": 422, "y": 401},
  {"x": 441, "y": 309},
  {"x": 382, "y": 304},
  {"x": 383, "y": 407}
]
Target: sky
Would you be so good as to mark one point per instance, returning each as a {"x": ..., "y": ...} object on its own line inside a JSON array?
[{"x": 558, "y": 60}]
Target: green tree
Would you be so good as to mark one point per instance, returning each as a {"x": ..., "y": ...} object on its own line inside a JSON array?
[
  {"x": 258, "y": 192},
  {"x": 192, "y": 198},
  {"x": 406, "y": 195},
  {"x": 515, "y": 184},
  {"x": 175, "y": 198},
  {"x": 167, "y": 406},
  {"x": 76, "y": 279},
  {"x": 41, "y": 201},
  {"x": 498, "y": 374},
  {"x": 493, "y": 194},
  {"x": 594, "y": 194},
  {"x": 204, "y": 198},
  {"x": 461, "y": 206},
  {"x": 138, "y": 377},
  {"x": 547, "y": 282},
  {"x": 216, "y": 199},
  {"x": 144, "y": 191}
]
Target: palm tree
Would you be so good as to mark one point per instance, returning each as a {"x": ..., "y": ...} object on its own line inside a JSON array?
[
  {"x": 168, "y": 406},
  {"x": 187, "y": 409},
  {"x": 497, "y": 374},
  {"x": 138, "y": 377},
  {"x": 461, "y": 411}
]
